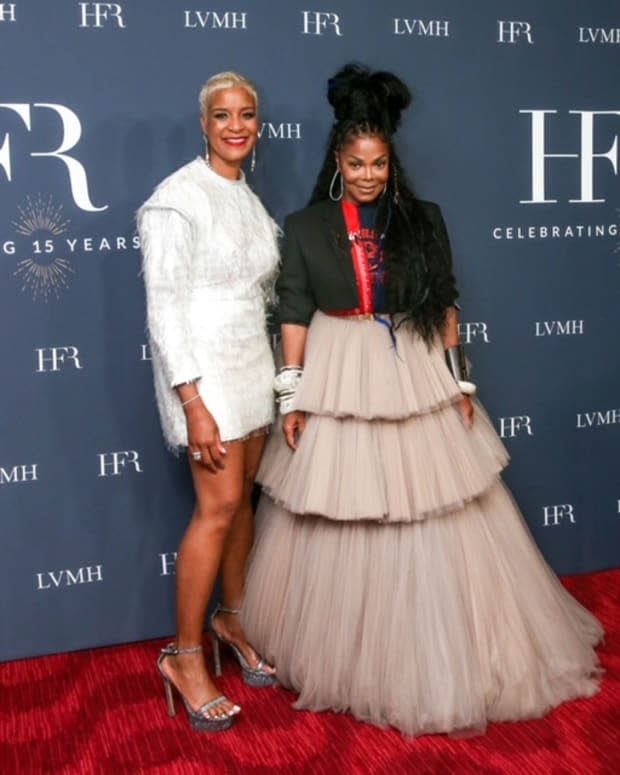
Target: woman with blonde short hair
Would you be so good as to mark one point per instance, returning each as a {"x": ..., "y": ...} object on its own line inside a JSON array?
[{"x": 210, "y": 256}]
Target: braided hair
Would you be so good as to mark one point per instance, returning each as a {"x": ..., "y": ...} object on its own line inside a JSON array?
[{"x": 420, "y": 284}]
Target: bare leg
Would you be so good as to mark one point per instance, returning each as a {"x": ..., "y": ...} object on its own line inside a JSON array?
[
  {"x": 218, "y": 499},
  {"x": 235, "y": 556},
  {"x": 239, "y": 541}
]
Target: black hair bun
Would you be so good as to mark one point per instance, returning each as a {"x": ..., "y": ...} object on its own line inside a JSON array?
[{"x": 361, "y": 96}]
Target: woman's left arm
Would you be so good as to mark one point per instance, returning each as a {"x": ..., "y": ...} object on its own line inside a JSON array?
[{"x": 450, "y": 338}]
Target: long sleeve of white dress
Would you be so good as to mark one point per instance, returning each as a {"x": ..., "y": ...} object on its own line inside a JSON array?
[
  {"x": 210, "y": 254},
  {"x": 167, "y": 247}
]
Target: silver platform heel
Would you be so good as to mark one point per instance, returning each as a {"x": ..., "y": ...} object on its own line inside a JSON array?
[
  {"x": 253, "y": 676},
  {"x": 197, "y": 718}
]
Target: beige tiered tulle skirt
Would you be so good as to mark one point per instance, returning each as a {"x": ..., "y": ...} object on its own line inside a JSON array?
[{"x": 392, "y": 574}]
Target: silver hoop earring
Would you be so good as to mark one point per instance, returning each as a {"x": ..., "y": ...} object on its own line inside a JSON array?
[
  {"x": 331, "y": 187},
  {"x": 253, "y": 162},
  {"x": 207, "y": 157}
]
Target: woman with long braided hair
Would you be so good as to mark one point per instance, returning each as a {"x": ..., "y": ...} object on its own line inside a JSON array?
[{"x": 393, "y": 576}]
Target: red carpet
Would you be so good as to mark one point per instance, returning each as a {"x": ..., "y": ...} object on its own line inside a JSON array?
[{"x": 103, "y": 711}]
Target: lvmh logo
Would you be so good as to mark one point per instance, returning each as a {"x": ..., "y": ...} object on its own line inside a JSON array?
[
  {"x": 592, "y": 419},
  {"x": 19, "y": 474},
  {"x": 282, "y": 131},
  {"x": 228, "y": 20},
  {"x": 433, "y": 28},
  {"x": 90, "y": 574},
  {"x": 559, "y": 328}
]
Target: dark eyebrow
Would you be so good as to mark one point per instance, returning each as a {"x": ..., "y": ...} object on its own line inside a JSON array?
[{"x": 358, "y": 158}]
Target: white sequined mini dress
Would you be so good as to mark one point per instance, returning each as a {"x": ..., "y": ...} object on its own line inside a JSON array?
[{"x": 210, "y": 257}]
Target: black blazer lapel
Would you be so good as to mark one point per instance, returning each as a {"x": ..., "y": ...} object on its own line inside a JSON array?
[{"x": 339, "y": 242}]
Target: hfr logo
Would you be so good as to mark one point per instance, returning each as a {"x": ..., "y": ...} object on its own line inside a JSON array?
[
  {"x": 319, "y": 22},
  {"x": 54, "y": 358},
  {"x": 98, "y": 14},
  {"x": 473, "y": 330},
  {"x": 509, "y": 427},
  {"x": 113, "y": 463},
  {"x": 514, "y": 32},
  {"x": 71, "y": 133},
  {"x": 586, "y": 155},
  {"x": 553, "y": 515}
]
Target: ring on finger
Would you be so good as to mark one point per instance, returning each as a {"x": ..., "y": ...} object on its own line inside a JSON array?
[{"x": 197, "y": 455}]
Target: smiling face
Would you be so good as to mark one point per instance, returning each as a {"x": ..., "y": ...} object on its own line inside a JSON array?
[
  {"x": 364, "y": 163},
  {"x": 231, "y": 125}
]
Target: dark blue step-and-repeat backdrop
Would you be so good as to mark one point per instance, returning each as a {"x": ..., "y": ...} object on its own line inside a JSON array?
[{"x": 514, "y": 132}]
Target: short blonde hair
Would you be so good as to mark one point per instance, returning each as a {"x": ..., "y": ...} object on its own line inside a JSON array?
[{"x": 225, "y": 80}]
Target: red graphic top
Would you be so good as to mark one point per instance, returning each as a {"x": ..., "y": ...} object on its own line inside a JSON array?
[{"x": 367, "y": 259}]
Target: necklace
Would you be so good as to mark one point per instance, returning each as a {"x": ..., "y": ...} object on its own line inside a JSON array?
[{"x": 354, "y": 236}]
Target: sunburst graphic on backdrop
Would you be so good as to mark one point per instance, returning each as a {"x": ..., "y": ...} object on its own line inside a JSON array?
[
  {"x": 43, "y": 280},
  {"x": 43, "y": 273}
]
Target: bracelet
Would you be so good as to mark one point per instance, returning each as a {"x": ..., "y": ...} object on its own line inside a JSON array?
[
  {"x": 285, "y": 387},
  {"x": 189, "y": 400},
  {"x": 459, "y": 368},
  {"x": 466, "y": 387}
]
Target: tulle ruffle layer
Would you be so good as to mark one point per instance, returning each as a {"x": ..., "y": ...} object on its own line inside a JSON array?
[
  {"x": 384, "y": 439},
  {"x": 405, "y": 471},
  {"x": 438, "y": 626},
  {"x": 354, "y": 368},
  {"x": 392, "y": 575}
]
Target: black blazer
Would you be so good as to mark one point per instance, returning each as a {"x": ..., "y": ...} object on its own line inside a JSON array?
[{"x": 317, "y": 269}]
